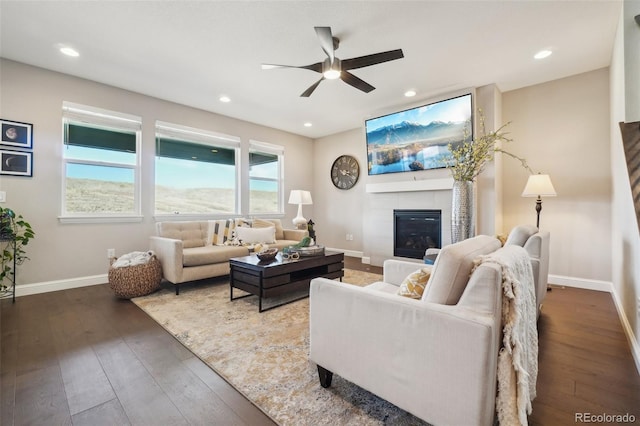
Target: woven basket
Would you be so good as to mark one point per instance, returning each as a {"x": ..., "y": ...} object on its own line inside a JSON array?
[{"x": 135, "y": 281}]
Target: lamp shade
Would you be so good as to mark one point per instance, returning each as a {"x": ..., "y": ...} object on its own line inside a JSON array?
[
  {"x": 539, "y": 186},
  {"x": 299, "y": 196}
]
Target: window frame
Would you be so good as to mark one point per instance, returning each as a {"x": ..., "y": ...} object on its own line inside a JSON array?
[
  {"x": 98, "y": 118},
  {"x": 271, "y": 149},
  {"x": 201, "y": 137}
]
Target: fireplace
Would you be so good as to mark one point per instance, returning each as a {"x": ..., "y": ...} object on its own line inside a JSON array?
[{"x": 414, "y": 231}]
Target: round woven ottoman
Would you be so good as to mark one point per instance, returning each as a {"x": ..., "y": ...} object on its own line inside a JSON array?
[{"x": 137, "y": 280}]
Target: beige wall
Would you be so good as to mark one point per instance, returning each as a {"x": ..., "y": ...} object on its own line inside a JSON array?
[
  {"x": 562, "y": 129},
  {"x": 74, "y": 251},
  {"x": 489, "y": 184},
  {"x": 625, "y": 106},
  {"x": 339, "y": 212}
]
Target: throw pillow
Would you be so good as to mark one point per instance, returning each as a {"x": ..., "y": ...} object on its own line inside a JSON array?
[
  {"x": 243, "y": 222},
  {"x": 256, "y": 235},
  {"x": 413, "y": 286},
  {"x": 264, "y": 223},
  {"x": 222, "y": 231}
]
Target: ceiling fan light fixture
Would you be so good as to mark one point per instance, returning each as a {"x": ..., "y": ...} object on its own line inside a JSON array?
[
  {"x": 332, "y": 74},
  {"x": 332, "y": 68}
]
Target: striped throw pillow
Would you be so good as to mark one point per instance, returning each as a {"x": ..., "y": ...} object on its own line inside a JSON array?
[{"x": 222, "y": 230}]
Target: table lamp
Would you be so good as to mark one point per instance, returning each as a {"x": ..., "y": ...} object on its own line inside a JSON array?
[{"x": 300, "y": 197}]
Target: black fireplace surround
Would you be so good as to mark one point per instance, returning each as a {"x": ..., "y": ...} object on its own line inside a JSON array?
[{"x": 414, "y": 231}]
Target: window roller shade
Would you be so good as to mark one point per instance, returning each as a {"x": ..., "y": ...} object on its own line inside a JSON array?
[
  {"x": 256, "y": 159},
  {"x": 90, "y": 137},
  {"x": 182, "y": 150}
]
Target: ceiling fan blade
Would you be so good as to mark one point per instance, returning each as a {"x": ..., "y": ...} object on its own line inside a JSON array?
[
  {"x": 356, "y": 82},
  {"x": 317, "y": 67},
  {"x": 326, "y": 41},
  {"x": 376, "y": 58},
  {"x": 310, "y": 90}
]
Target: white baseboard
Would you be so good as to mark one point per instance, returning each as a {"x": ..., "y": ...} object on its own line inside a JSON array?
[
  {"x": 350, "y": 253},
  {"x": 47, "y": 286},
  {"x": 628, "y": 330},
  {"x": 586, "y": 283}
]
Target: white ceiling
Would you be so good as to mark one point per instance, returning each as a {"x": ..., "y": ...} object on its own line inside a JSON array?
[{"x": 192, "y": 52}]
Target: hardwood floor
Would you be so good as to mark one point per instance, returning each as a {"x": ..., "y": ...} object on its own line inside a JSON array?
[
  {"x": 82, "y": 356},
  {"x": 585, "y": 362}
]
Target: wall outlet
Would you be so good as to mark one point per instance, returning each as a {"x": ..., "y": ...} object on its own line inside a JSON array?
[
  {"x": 349, "y": 237},
  {"x": 3, "y": 197},
  {"x": 111, "y": 253},
  {"x": 366, "y": 260}
]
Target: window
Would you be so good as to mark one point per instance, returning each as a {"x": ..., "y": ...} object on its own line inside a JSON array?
[
  {"x": 101, "y": 158},
  {"x": 196, "y": 171},
  {"x": 265, "y": 178}
]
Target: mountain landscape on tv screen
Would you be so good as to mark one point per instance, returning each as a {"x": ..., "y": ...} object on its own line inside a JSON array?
[
  {"x": 410, "y": 146},
  {"x": 436, "y": 132}
]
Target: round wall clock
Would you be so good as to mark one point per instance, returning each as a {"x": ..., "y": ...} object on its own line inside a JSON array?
[{"x": 345, "y": 172}]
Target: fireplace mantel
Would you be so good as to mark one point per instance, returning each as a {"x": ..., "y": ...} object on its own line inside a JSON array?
[{"x": 411, "y": 185}]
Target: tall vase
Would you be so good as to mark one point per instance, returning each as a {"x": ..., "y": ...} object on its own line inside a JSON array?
[{"x": 462, "y": 211}]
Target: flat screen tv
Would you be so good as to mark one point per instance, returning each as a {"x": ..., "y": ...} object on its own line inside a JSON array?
[{"x": 417, "y": 138}]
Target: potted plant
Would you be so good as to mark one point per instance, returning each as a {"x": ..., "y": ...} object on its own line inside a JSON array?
[
  {"x": 467, "y": 160},
  {"x": 17, "y": 233}
]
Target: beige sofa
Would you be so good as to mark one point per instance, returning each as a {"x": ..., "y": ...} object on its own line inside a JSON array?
[
  {"x": 435, "y": 357},
  {"x": 189, "y": 251}
]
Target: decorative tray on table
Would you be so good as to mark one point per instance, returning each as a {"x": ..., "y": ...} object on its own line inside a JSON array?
[{"x": 309, "y": 251}]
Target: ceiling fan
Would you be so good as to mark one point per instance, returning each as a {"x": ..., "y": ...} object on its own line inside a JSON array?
[{"x": 333, "y": 68}]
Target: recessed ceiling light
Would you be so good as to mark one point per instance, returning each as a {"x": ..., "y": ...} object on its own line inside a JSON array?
[
  {"x": 225, "y": 99},
  {"x": 69, "y": 51},
  {"x": 410, "y": 93},
  {"x": 307, "y": 124},
  {"x": 542, "y": 54}
]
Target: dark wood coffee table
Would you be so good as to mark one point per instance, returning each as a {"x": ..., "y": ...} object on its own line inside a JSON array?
[{"x": 279, "y": 277}]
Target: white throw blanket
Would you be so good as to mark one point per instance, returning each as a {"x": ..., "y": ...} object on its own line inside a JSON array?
[
  {"x": 518, "y": 358},
  {"x": 133, "y": 259}
]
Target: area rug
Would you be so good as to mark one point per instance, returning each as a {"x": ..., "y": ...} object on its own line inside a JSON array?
[{"x": 265, "y": 355}]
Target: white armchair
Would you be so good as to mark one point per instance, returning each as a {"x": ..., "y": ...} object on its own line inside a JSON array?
[
  {"x": 536, "y": 243},
  {"x": 435, "y": 357}
]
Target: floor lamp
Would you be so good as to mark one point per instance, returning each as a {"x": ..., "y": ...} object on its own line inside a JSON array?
[
  {"x": 539, "y": 186},
  {"x": 300, "y": 197}
]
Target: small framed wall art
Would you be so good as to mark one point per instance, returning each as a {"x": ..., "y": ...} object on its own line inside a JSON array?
[
  {"x": 16, "y": 163},
  {"x": 16, "y": 134}
]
